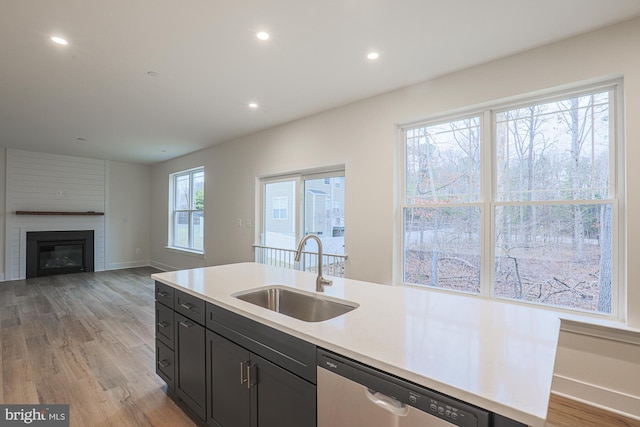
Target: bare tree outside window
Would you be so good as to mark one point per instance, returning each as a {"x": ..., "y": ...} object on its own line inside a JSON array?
[
  {"x": 549, "y": 206},
  {"x": 442, "y": 226},
  {"x": 553, "y": 200}
]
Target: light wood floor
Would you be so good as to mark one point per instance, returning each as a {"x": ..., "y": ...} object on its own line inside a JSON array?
[
  {"x": 86, "y": 340},
  {"x": 565, "y": 412}
]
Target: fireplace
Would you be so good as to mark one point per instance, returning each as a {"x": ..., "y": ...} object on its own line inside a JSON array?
[{"x": 59, "y": 252}]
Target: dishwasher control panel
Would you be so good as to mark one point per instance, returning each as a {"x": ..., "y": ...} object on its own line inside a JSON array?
[{"x": 448, "y": 410}]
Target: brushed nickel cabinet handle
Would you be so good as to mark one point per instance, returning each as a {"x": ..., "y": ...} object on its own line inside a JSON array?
[
  {"x": 186, "y": 324},
  {"x": 243, "y": 379},
  {"x": 163, "y": 294},
  {"x": 187, "y": 305},
  {"x": 163, "y": 324},
  {"x": 163, "y": 363},
  {"x": 248, "y": 376}
]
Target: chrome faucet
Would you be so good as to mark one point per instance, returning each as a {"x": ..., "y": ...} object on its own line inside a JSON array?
[{"x": 321, "y": 282}]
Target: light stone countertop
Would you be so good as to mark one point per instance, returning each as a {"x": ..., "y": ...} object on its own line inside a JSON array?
[{"x": 494, "y": 355}]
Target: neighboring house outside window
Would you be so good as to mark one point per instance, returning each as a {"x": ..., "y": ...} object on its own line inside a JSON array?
[
  {"x": 519, "y": 202},
  {"x": 187, "y": 210},
  {"x": 280, "y": 208}
]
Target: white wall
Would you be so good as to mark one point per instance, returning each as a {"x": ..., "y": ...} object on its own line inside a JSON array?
[
  {"x": 362, "y": 136},
  {"x": 3, "y": 210},
  {"x": 128, "y": 215}
]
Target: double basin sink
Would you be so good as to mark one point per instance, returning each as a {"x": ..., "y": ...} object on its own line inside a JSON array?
[{"x": 300, "y": 305}]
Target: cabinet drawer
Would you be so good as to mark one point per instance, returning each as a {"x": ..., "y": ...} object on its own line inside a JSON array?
[
  {"x": 164, "y": 294},
  {"x": 164, "y": 324},
  {"x": 165, "y": 364},
  {"x": 190, "y": 306}
]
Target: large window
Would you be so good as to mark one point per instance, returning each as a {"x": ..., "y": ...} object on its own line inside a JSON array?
[
  {"x": 187, "y": 210},
  {"x": 518, "y": 202}
]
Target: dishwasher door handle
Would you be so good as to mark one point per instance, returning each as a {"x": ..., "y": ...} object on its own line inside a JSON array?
[{"x": 387, "y": 403}]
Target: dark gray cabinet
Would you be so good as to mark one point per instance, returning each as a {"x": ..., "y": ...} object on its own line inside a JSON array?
[
  {"x": 164, "y": 324},
  {"x": 180, "y": 346},
  {"x": 230, "y": 391},
  {"x": 190, "y": 378},
  {"x": 283, "y": 399},
  {"x": 247, "y": 390},
  {"x": 259, "y": 376},
  {"x": 165, "y": 354},
  {"x": 229, "y": 370}
]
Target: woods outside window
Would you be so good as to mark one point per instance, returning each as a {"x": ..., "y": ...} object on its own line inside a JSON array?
[{"x": 519, "y": 202}]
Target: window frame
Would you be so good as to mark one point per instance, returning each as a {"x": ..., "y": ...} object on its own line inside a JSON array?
[
  {"x": 173, "y": 212},
  {"x": 298, "y": 201},
  {"x": 488, "y": 190}
]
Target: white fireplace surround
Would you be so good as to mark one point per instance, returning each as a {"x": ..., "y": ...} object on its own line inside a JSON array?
[{"x": 52, "y": 183}]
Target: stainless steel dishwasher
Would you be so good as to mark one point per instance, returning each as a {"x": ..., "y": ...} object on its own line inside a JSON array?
[{"x": 352, "y": 395}]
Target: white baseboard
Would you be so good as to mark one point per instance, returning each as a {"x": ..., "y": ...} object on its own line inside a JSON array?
[
  {"x": 161, "y": 266},
  {"x": 127, "y": 264},
  {"x": 600, "y": 397},
  {"x": 599, "y": 365}
]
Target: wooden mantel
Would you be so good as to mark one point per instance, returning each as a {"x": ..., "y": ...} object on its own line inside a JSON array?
[{"x": 87, "y": 213}]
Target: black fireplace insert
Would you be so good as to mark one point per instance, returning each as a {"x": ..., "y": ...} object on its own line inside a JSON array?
[{"x": 59, "y": 252}]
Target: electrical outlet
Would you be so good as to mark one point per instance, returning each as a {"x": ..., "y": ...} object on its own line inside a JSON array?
[
  {"x": 138, "y": 251},
  {"x": 239, "y": 222},
  {"x": 247, "y": 222}
]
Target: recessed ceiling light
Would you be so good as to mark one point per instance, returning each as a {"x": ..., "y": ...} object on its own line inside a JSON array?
[
  {"x": 263, "y": 35},
  {"x": 253, "y": 105},
  {"x": 59, "y": 40},
  {"x": 373, "y": 55},
  {"x": 82, "y": 139},
  {"x": 152, "y": 74}
]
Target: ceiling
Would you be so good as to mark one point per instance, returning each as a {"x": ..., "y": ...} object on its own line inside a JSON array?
[{"x": 95, "y": 98}]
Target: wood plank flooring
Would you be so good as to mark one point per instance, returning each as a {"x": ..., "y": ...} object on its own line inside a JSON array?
[
  {"x": 565, "y": 412},
  {"x": 86, "y": 340}
]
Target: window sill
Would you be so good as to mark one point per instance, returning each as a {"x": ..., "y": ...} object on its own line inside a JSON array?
[
  {"x": 188, "y": 252},
  {"x": 566, "y": 315}
]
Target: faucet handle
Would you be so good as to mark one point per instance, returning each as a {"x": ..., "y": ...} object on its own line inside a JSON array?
[{"x": 321, "y": 282}]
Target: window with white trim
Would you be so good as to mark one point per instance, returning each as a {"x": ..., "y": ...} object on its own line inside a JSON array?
[
  {"x": 519, "y": 201},
  {"x": 295, "y": 205},
  {"x": 186, "y": 226}
]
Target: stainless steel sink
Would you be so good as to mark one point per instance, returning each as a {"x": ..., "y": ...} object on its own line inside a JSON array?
[{"x": 303, "y": 306}]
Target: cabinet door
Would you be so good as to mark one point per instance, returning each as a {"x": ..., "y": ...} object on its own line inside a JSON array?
[
  {"x": 229, "y": 391},
  {"x": 190, "y": 378},
  {"x": 284, "y": 399}
]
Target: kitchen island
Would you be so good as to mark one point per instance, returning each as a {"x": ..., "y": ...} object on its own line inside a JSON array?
[{"x": 494, "y": 355}]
